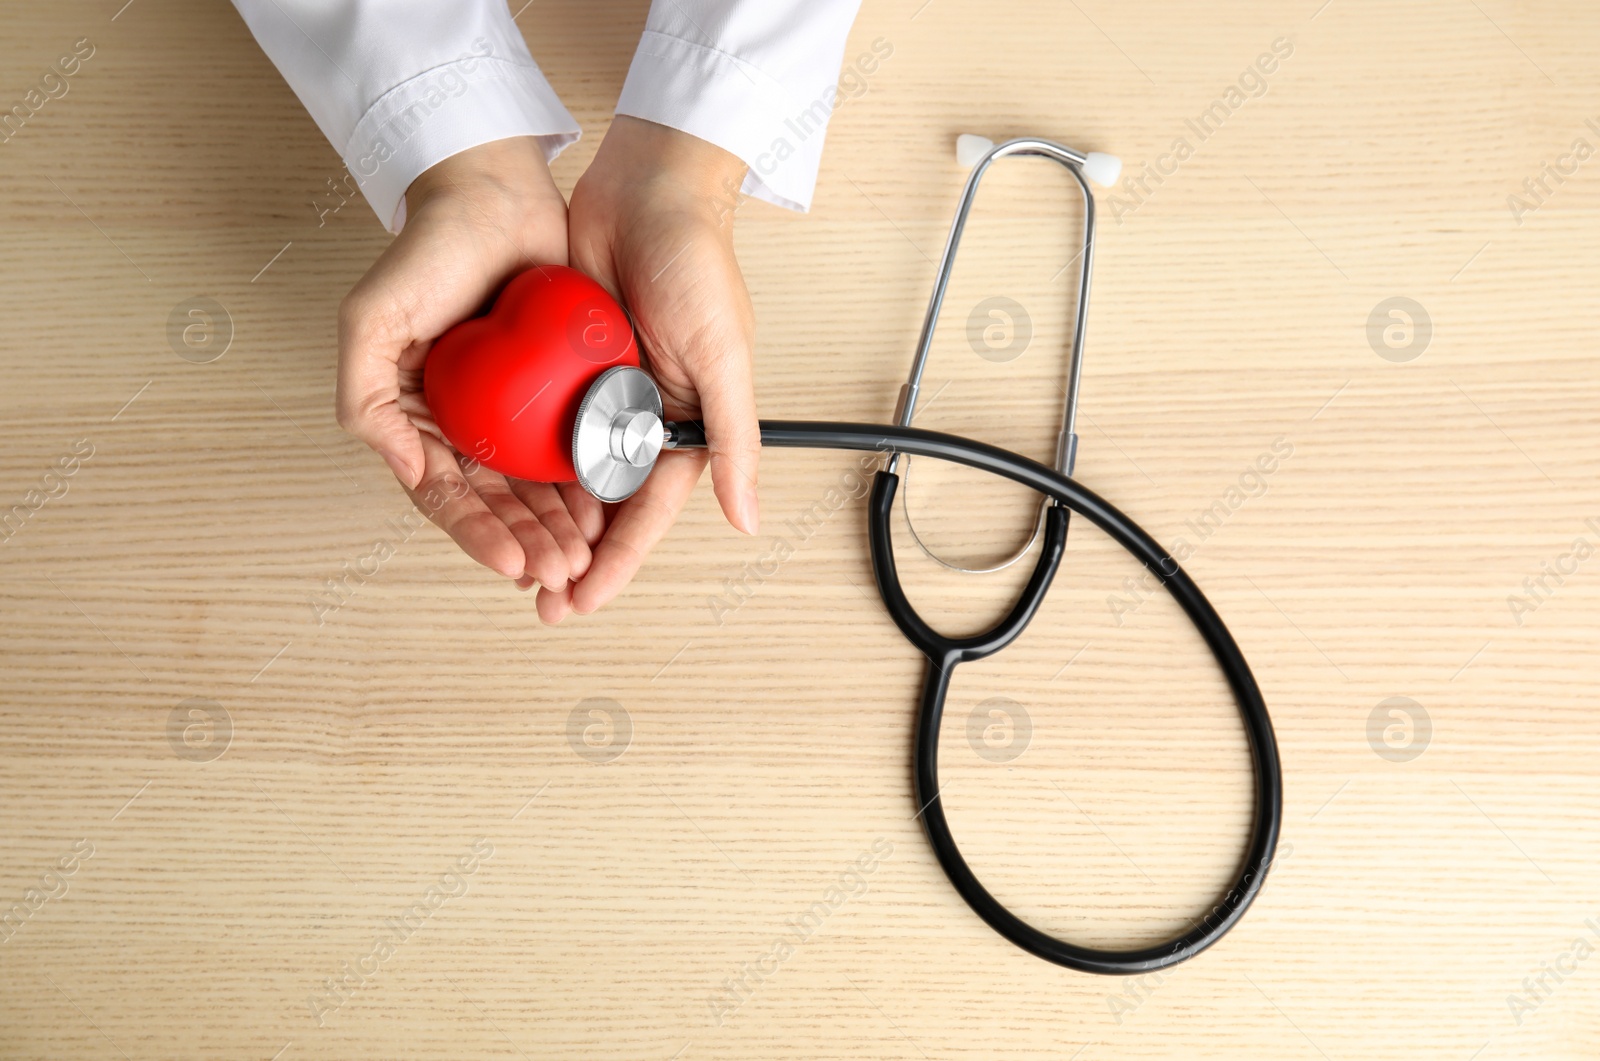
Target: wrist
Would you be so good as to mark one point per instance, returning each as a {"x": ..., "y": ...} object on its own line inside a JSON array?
[
  {"x": 637, "y": 151},
  {"x": 491, "y": 175}
]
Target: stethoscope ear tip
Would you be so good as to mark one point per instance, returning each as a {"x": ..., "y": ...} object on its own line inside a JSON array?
[
  {"x": 970, "y": 147},
  {"x": 1102, "y": 168}
]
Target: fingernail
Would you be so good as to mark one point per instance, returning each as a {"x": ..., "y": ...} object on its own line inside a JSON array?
[
  {"x": 749, "y": 512},
  {"x": 401, "y": 469}
]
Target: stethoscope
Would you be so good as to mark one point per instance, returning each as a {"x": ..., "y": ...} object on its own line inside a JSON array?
[{"x": 619, "y": 431}]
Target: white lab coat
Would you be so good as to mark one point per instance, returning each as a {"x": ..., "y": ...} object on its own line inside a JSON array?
[{"x": 399, "y": 85}]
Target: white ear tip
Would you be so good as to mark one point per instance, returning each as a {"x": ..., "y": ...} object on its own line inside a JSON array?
[
  {"x": 971, "y": 147},
  {"x": 1102, "y": 168}
]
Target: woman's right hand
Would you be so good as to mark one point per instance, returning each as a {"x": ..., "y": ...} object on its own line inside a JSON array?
[{"x": 474, "y": 221}]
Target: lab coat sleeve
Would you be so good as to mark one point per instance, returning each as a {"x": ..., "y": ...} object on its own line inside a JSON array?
[
  {"x": 758, "y": 78},
  {"x": 399, "y": 85}
]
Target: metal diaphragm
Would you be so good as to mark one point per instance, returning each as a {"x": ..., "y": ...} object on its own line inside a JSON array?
[{"x": 618, "y": 433}]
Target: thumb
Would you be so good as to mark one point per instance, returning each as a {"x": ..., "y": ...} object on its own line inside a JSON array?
[
  {"x": 368, "y": 402},
  {"x": 733, "y": 438}
]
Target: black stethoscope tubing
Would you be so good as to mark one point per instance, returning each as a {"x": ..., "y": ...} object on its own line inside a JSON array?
[{"x": 945, "y": 654}]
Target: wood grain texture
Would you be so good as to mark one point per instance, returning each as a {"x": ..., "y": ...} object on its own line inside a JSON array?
[{"x": 371, "y": 747}]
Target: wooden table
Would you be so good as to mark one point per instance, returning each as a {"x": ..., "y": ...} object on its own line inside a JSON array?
[{"x": 610, "y": 827}]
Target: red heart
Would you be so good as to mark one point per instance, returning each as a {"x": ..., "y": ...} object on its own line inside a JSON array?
[{"x": 505, "y": 388}]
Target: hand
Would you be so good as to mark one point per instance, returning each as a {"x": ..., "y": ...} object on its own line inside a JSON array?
[
  {"x": 650, "y": 220},
  {"x": 473, "y": 222}
]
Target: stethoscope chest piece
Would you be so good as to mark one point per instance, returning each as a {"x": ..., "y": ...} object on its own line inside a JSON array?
[{"x": 618, "y": 433}]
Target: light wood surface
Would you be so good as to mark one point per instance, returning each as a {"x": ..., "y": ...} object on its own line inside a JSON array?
[{"x": 769, "y": 744}]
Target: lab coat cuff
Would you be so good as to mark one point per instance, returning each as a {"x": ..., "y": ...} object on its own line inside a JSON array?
[
  {"x": 728, "y": 102},
  {"x": 443, "y": 112}
]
